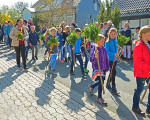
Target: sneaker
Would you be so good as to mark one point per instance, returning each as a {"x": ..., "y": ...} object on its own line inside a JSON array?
[
  {"x": 49, "y": 68},
  {"x": 36, "y": 57},
  {"x": 69, "y": 59},
  {"x": 84, "y": 75},
  {"x": 72, "y": 73},
  {"x": 26, "y": 68},
  {"x": 62, "y": 61},
  {"x": 101, "y": 101},
  {"x": 138, "y": 111},
  {"x": 90, "y": 89},
  {"x": 65, "y": 59},
  {"x": 86, "y": 70},
  {"x": 53, "y": 71},
  {"x": 114, "y": 90}
]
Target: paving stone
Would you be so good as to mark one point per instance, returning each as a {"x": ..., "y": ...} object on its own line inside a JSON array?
[
  {"x": 32, "y": 109},
  {"x": 37, "y": 115},
  {"x": 26, "y": 96},
  {"x": 27, "y": 114}
]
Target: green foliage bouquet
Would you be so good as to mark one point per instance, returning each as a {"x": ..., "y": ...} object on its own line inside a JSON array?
[
  {"x": 42, "y": 37},
  {"x": 20, "y": 35},
  {"x": 94, "y": 31},
  {"x": 72, "y": 38},
  {"x": 86, "y": 32},
  {"x": 122, "y": 40},
  {"x": 52, "y": 41}
]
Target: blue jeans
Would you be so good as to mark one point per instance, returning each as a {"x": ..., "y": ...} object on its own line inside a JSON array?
[
  {"x": 52, "y": 63},
  {"x": 87, "y": 58},
  {"x": 98, "y": 83},
  {"x": 27, "y": 49},
  {"x": 140, "y": 87},
  {"x": 67, "y": 49},
  {"x": 79, "y": 57},
  {"x": 7, "y": 42},
  {"x": 60, "y": 51}
]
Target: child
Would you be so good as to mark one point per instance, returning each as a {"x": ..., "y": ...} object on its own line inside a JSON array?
[
  {"x": 111, "y": 47},
  {"x": 141, "y": 60},
  {"x": 104, "y": 65},
  {"x": 53, "y": 50},
  {"x": 66, "y": 33},
  {"x": 86, "y": 51},
  {"x": 33, "y": 39},
  {"x": 135, "y": 38},
  {"x": 60, "y": 47},
  {"x": 77, "y": 52}
]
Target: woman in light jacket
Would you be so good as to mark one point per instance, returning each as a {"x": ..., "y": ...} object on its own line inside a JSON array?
[{"x": 19, "y": 44}]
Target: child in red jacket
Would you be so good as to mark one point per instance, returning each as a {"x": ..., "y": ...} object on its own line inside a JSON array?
[{"x": 141, "y": 59}]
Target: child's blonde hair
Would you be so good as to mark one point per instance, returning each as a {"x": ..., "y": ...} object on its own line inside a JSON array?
[
  {"x": 33, "y": 27},
  {"x": 110, "y": 31},
  {"x": 144, "y": 29},
  {"x": 101, "y": 36},
  {"x": 53, "y": 28}
]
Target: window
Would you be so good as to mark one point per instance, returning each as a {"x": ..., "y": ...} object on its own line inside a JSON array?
[
  {"x": 144, "y": 22},
  {"x": 95, "y": 5}
]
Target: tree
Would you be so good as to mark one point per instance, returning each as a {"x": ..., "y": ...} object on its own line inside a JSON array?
[
  {"x": 9, "y": 14},
  {"x": 5, "y": 17},
  {"x": 100, "y": 16},
  {"x": 55, "y": 11},
  {"x": 19, "y": 6},
  {"x": 108, "y": 10},
  {"x": 106, "y": 13},
  {"x": 36, "y": 21},
  {"x": 116, "y": 19}
]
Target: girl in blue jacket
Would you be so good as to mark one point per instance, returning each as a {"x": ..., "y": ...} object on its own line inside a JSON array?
[{"x": 111, "y": 47}]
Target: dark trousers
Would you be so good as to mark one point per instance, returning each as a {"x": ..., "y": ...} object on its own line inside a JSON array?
[
  {"x": 113, "y": 75},
  {"x": 10, "y": 41},
  {"x": 21, "y": 49},
  {"x": 140, "y": 87},
  {"x": 98, "y": 83},
  {"x": 79, "y": 57},
  {"x": 87, "y": 58}
]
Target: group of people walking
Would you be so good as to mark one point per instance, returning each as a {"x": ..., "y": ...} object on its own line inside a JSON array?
[{"x": 103, "y": 54}]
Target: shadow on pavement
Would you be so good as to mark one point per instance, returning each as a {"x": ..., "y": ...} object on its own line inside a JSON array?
[
  {"x": 122, "y": 75},
  {"x": 45, "y": 89},
  {"x": 69, "y": 103},
  {"x": 64, "y": 70},
  {"x": 123, "y": 111},
  {"x": 7, "y": 78},
  {"x": 92, "y": 99}
]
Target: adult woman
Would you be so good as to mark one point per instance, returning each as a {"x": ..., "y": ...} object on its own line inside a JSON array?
[
  {"x": 141, "y": 59},
  {"x": 19, "y": 44}
]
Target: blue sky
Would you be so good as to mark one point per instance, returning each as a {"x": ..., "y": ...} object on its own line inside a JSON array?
[{"x": 11, "y": 2}]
